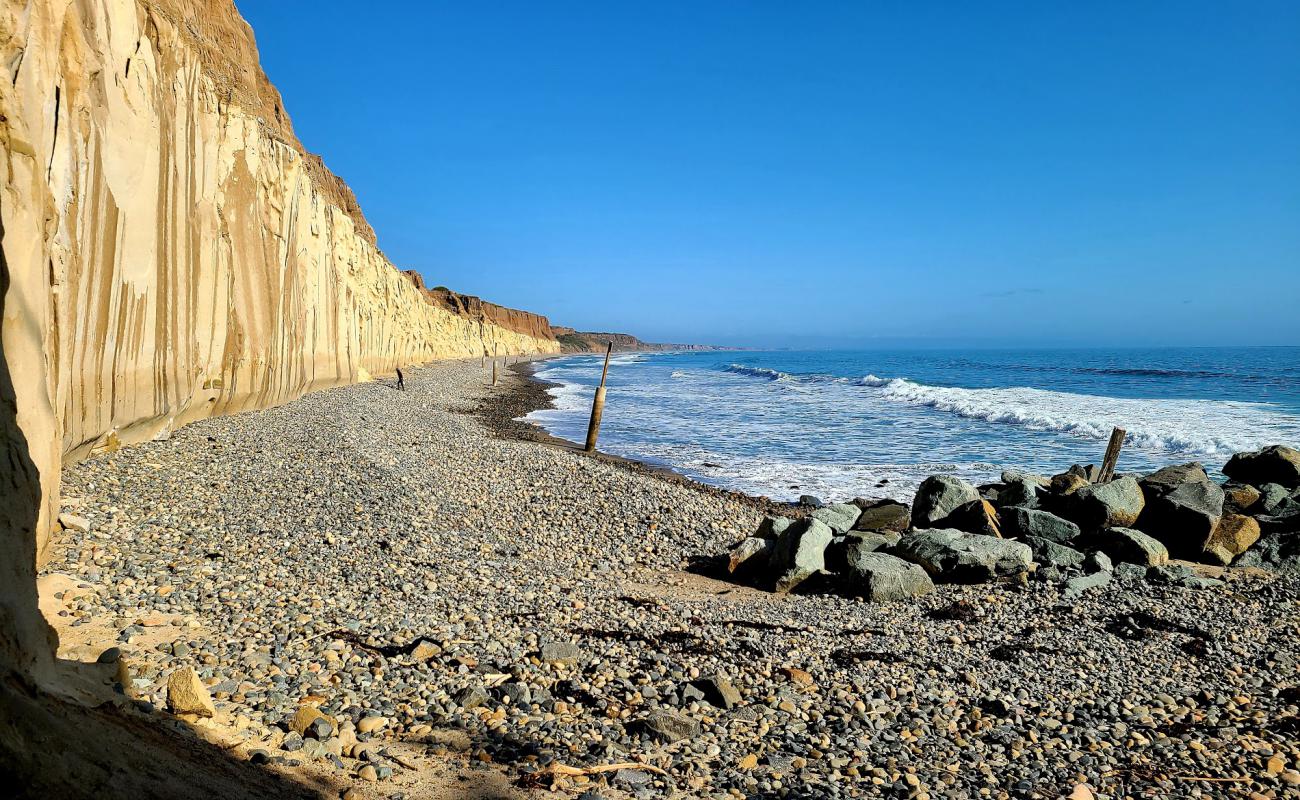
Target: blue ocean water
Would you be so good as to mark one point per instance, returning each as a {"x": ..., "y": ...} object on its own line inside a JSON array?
[{"x": 840, "y": 424}]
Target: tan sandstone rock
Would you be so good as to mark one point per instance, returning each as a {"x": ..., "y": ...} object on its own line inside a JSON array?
[
  {"x": 1231, "y": 537},
  {"x": 186, "y": 694}
]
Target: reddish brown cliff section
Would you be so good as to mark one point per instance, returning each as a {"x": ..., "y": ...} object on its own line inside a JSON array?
[{"x": 476, "y": 308}]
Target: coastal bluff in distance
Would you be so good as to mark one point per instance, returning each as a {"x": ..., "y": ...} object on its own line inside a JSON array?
[{"x": 574, "y": 341}]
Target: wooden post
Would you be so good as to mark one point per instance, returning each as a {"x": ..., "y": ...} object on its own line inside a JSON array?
[
  {"x": 1108, "y": 463},
  {"x": 494, "y": 372},
  {"x": 598, "y": 403}
]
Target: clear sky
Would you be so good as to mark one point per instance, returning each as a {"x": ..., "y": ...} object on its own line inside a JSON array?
[{"x": 816, "y": 174}]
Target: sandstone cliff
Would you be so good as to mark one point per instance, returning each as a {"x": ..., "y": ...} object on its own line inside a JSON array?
[{"x": 170, "y": 251}]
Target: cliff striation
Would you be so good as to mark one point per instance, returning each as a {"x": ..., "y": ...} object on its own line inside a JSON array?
[{"x": 170, "y": 250}]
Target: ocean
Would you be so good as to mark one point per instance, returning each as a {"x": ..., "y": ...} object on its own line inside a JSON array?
[{"x": 843, "y": 424}]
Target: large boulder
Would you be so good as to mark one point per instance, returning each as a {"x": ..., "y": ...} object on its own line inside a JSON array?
[
  {"x": 954, "y": 556},
  {"x": 1067, "y": 483},
  {"x": 1234, "y": 534},
  {"x": 750, "y": 556},
  {"x": 938, "y": 496},
  {"x": 1278, "y": 551},
  {"x": 1019, "y": 522},
  {"x": 881, "y": 577},
  {"x": 883, "y": 515},
  {"x": 839, "y": 517},
  {"x": 1271, "y": 498},
  {"x": 861, "y": 541},
  {"x": 1019, "y": 491},
  {"x": 1166, "y": 479},
  {"x": 1129, "y": 546},
  {"x": 771, "y": 527},
  {"x": 1240, "y": 498},
  {"x": 1107, "y": 505},
  {"x": 1273, "y": 464},
  {"x": 977, "y": 516},
  {"x": 799, "y": 553},
  {"x": 1052, "y": 554},
  {"x": 1184, "y": 517}
]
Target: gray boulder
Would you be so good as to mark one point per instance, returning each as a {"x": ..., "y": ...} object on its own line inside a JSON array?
[
  {"x": 1180, "y": 575},
  {"x": 1107, "y": 505},
  {"x": 954, "y": 556},
  {"x": 1129, "y": 546},
  {"x": 1166, "y": 479},
  {"x": 883, "y": 515},
  {"x": 839, "y": 517},
  {"x": 881, "y": 578},
  {"x": 1021, "y": 522},
  {"x": 1078, "y": 585},
  {"x": 1051, "y": 554},
  {"x": 771, "y": 527},
  {"x": 799, "y": 553},
  {"x": 1275, "y": 551},
  {"x": 1020, "y": 493},
  {"x": 750, "y": 556},
  {"x": 1273, "y": 464},
  {"x": 861, "y": 541},
  {"x": 938, "y": 496},
  {"x": 1184, "y": 517},
  {"x": 1271, "y": 498}
]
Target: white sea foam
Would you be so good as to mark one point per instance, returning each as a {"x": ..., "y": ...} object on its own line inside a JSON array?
[{"x": 1209, "y": 427}]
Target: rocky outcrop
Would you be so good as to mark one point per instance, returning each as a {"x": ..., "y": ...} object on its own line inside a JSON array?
[{"x": 171, "y": 251}]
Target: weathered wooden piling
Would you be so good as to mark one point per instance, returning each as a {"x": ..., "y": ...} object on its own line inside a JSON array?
[
  {"x": 598, "y": 403},
  {"x": 1108, "y": 463}
]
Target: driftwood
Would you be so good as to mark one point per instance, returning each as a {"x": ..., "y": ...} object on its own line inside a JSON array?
[{"x": 1112, "y": 456}]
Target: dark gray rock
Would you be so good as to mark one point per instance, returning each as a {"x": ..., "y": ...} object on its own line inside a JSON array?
[
  {"x": 810, "y": 500},
  {"x": 1184, "y": 517},
  {"x": 800, "y": 553},
  {"x": 1276, "y": 551},
  {"x": 1273, "y": 464},
  {"x": 862, "y": 541},
  {"x": 771, "y": 527},
  {"x": 669, "y": 726},
  {"x": 1179, "y": 575},
  {"x": 954, "y": 556},
  {"x": 882, "y": 578},
  {"x": 718, "y": 691},
  {"x": 1019, "y": 493},
  {"x": 471, "y": 697},
  {"x": 1025, "y": 522},
  {"x": 1050, "y": 553},
  {"x": 1166, "y": 479},
  {"x": 1129, "y": 546},
  {"x": 1107, "y": 505},
  {"x": 938, "y": 496},
  {"x": 884, "y": 515},
  {"x": 1098, "y": 562}
]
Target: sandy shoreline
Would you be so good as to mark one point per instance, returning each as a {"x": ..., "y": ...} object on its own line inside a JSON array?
[{"x": 299, "y": 555}]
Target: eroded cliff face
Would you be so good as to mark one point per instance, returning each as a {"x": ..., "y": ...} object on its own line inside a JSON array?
[{"x": 171, "y": 251}]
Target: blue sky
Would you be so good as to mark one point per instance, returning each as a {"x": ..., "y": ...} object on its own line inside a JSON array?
[{"x": 821, "y": 174}]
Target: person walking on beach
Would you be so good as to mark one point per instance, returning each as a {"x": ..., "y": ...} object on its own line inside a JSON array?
[{"x": 401, "y": 383}]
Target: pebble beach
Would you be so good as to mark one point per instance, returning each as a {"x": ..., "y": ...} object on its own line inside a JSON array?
[{"x": 429, "y": 577}]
